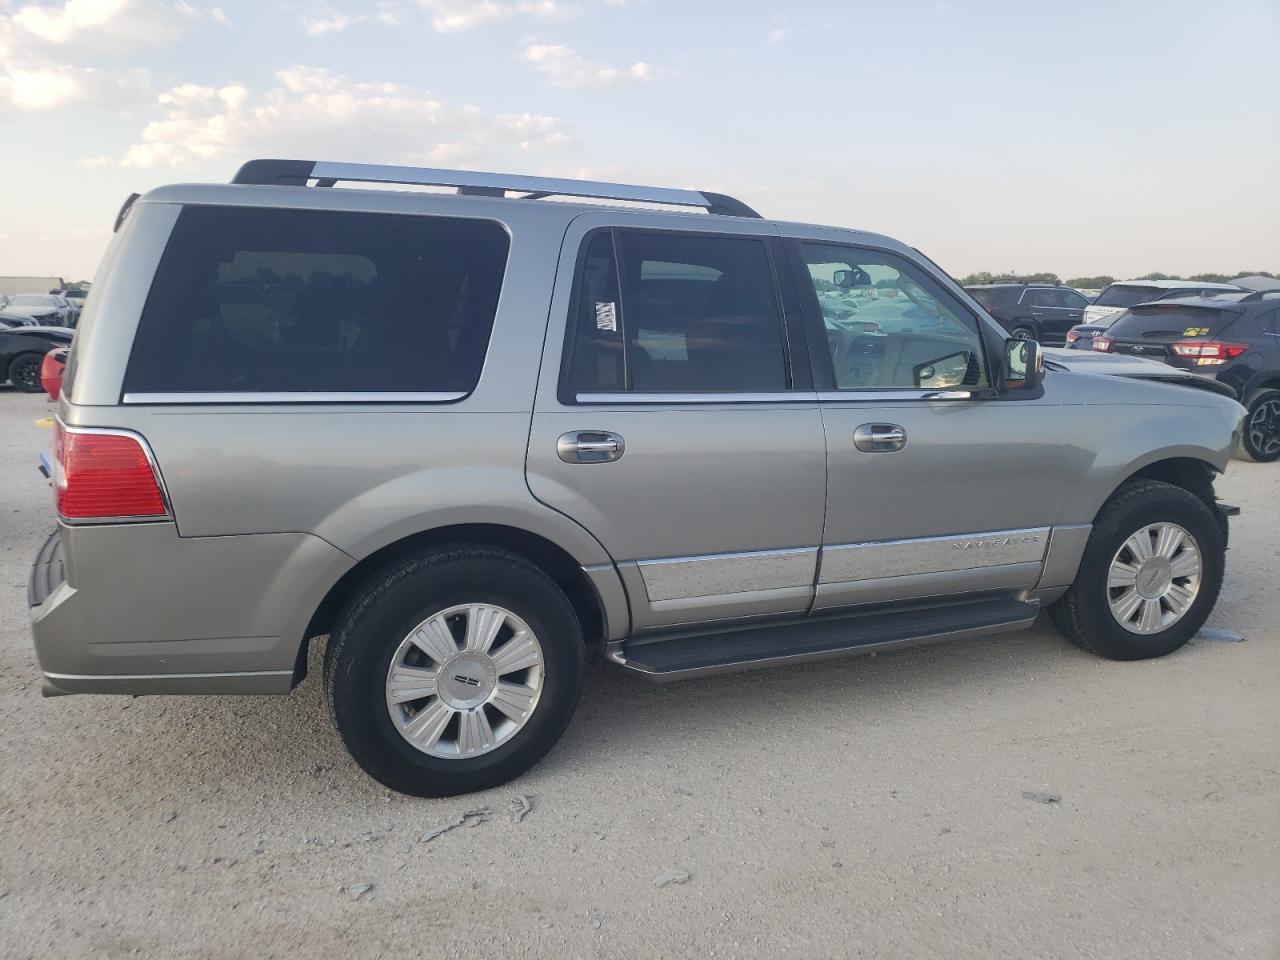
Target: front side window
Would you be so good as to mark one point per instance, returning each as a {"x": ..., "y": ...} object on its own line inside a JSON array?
[
  {"x": 251, "y": 300},
  {"x": 675, "y": 313},
  {"x": 889, "y": 325}
]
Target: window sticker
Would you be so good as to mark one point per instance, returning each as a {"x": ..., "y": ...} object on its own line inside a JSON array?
[
  {"x": 1196, "y": 332},
  {"x": 607, "y": 316}
]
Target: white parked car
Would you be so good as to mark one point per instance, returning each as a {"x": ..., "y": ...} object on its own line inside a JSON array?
[
  {"x": 45, "y": 309},
  {"x": 1123, "y": 294}
]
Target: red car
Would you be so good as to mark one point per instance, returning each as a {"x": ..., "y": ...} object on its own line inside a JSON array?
[{"x": 55, "y": 361}]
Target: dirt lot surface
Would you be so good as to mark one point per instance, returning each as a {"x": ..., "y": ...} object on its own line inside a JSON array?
[{"x": 1005, "y": 797}]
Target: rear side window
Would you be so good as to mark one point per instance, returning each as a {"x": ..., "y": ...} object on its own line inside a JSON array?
[
  {"x": 250, "y": 300},
  {"x": 675, "y": 313},
  {"x": 994, "y": 296},
  {"x": 1126, "y": 295}
]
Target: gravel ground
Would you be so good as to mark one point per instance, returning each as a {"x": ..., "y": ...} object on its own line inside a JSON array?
[{"x": 1004, "y": 797}]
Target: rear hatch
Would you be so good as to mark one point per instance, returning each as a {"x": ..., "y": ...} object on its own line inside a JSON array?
[{"x": 1173, "y": 331}]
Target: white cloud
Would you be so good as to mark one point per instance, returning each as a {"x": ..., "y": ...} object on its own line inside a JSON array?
[
  {"x": 450, "y": 16},
  {"x": 565, "y": 68},
  {"x": 113, "y": 23},
  {"x": 43, "y": 48},
  {"x": 312, "y": 112},
  {"x": 34, "y": 88},
  {"x": 318, "y": 26}
]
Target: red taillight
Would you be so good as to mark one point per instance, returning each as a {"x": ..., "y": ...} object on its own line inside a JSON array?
[
  {"x": 1208, "y": 353},
  {"x": 1072, "y": 336},
  {"x": 51, "y": 374},
  {"x": 104, "y": 475},
  {"x": 1102, "y": 343}
]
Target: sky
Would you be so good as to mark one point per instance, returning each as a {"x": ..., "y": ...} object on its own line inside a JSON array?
[{"x": 1081, "y": 138}]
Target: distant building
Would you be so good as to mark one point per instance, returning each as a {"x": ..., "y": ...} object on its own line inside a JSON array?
[{"x": 16, "y": 285}]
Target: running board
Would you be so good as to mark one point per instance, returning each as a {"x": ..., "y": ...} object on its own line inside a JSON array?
[{"x": 817, "y": 638}]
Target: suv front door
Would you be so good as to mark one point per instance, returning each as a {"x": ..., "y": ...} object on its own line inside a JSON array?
[
  {"x": 682, "y": 430},
  {"x": 928, "y": 493}
]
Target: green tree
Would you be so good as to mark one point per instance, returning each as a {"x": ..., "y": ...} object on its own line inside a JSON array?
[{"x": 1091, "y": 283}]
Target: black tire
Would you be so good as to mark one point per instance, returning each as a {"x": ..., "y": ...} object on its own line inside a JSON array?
[
  {"x": 1084, "y": 613},
  {"x": 372, "y": 627},
  {"x": 1024, "y": 331},
  {"x": 1260, "y": 438},
  {"x": 24, "y": 372}
]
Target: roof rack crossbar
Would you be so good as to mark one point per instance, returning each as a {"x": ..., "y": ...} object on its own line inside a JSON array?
[{"x": 299, "y": 173}]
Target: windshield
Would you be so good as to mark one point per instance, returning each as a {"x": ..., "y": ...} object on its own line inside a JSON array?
[{"x": 1171, "y": 322}]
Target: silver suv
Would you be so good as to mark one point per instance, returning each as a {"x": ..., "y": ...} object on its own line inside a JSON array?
[{"x": 477, "y": 438}]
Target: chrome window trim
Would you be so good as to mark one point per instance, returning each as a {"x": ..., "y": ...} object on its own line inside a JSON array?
[
  {"x": 902, "y": 393},
  {"x": 236, "y": 397},
  {"x": 782, "y": 396},
  {"x": 166, "y": 517}
]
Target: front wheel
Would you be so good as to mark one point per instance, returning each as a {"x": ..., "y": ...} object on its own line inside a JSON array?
[
  {"x": 455, "y": 671},
  {"x": 1149, "y": 577},
  {"x": 24, "y": 372},
  {"x": 1261, "y": 439}
]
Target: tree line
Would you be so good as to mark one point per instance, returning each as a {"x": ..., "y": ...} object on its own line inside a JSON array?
[{"x": 1097, "y": 283}]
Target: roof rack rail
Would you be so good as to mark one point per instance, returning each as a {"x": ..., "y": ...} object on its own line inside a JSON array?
[{"x": 299, "y": 173}]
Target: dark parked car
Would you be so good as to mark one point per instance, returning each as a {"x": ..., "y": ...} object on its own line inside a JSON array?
[
  {"x": 22, "y": 351},
  {"x": 1032, "y": 311},
  {"x": 1232, "y": 337}
]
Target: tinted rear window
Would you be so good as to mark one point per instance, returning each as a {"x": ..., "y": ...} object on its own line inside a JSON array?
[
  {"x": 994, "y": 296},
  {"x": 258, "y": 300},
  {"x": 1170, "y": 323},
  {"x": 1127, "y": 295}
]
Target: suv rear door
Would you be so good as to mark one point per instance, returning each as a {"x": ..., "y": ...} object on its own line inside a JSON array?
[
  {"x": 927, "y": 495},
  {"x": 675, "y": 418}
]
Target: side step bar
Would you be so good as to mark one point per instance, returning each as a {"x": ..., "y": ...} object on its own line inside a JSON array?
[{"x": 816, "y": 638}]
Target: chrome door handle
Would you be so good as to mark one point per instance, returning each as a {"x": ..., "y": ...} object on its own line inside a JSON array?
[
  {"x": 590, "y": 446},
  {"x": 879, "y": 437}
]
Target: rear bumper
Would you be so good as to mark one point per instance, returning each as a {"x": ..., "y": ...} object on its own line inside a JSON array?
[{"x": 137, "y": 609}]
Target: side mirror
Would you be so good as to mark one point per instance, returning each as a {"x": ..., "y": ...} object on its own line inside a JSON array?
[
  {"x": 1023, "y": 365},
  {"x": 856, "y": 277}
]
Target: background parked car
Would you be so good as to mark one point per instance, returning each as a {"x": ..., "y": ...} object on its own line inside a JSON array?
[
  {"x": 10, "y": 320},
  {"x": 75, "y": 298},
  {"x": 1232, "y": 337},
  {"x": 1032, "y": 311},
  {"x": 41, "y": 307},
  {"x": 22, "y": 352},
  {"x": 1127, "y": 293}
]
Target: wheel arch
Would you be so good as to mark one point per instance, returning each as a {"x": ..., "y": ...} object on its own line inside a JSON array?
[{"x": 597, "y": 612}]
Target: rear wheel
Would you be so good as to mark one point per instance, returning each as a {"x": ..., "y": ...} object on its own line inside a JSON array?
[
  {"x": 1261, "y": 436},
  {"x": 1023, "y": 332},
  {"x": 24, "y": 372},
  {"x": 1150, "y": 575},
  {"x": 456, "y": 671}
]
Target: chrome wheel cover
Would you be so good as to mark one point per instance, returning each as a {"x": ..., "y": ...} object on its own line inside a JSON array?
[
  {"x": 1264, "y": 428},
  {"x": 464, "y": 681},
  {"x": 1154, "y": 578}
]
